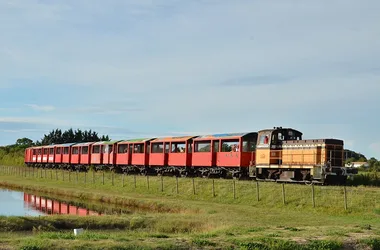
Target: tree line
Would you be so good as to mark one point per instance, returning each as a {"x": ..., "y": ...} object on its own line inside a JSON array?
[{"x": 56, "y": 136}]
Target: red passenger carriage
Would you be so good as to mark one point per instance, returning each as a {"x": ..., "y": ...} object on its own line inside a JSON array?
[
  {"x": 174, "y": 152},
  {"x": 222, "y": 153},
  {"x": 80, "y": 155},
  {"x": 103, "y": 153},
  {"x": 133, "y": 155},
  {"x": 62, "y": 154}
]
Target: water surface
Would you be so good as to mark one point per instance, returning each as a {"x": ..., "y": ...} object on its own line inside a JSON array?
[{"x": 12, "y": 204}]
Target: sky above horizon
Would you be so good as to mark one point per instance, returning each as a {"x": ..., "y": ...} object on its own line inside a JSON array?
[{"x": 140, "y": 68}]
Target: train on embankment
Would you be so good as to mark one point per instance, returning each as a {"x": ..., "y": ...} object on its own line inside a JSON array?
[{"x": 278, "y": 154}]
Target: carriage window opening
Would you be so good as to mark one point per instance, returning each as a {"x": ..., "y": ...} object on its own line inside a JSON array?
[
  {"x": 230, "y": 145},
  {"x": 216, "y": 146},
  {"x": 51, "y": 151},
  {"x": 202, "y": 146},
  {"x": 75, "y": 151},
  {"x": 39, "y": 151},
  {"x": 158, "y": 147},
  {"x": 66, "y": 151},
  {"x": 85, "y": 150},
  {"x": 249, "y": 144},
  {"x": 123, "y": 148},
  {"x": 96, "y": 149},
  {"x": 45, "y": 151},
  {"x": 58, "y": 151},
  {"x": 107, "y": 149},
  {"x": 178, "y": 147},
  {"x": 34, "y": 152},
  {"x": 138, "y": 148},
  {"x": 167, "y": 147}
]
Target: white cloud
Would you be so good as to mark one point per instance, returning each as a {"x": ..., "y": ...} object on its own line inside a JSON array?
[{"x": 45, "y": 108}]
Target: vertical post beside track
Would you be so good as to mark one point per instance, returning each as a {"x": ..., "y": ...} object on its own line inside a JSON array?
[
  {"x": 162, "y": 183},
  {"x": 257, "y": 191},
  {"x": 234, "y": 189},
  {"x": 176, "y": 178},
  {"x": 283, "y": 193},
  {"x": 345, "y": 197},
  {"x": 313, "y": 194},
  {"x": 213, "y": 188},
  {"x": 193, "y": 186}
]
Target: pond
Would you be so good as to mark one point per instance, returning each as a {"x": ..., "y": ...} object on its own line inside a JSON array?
[
  {"x": 13, "y": 204},
  {"x": 18, "y": 203}
]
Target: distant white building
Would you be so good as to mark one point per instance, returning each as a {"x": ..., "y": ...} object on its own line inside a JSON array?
[{"x": 358, "y": 164}]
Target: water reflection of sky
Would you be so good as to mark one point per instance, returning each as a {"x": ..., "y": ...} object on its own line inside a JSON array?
[{"x": 12, "y": 204}]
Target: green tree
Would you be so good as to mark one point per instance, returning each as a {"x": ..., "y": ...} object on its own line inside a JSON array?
[{"x": 24, "y": 142}]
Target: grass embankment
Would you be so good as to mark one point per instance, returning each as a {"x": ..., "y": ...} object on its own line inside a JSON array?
[{"x": 185, "y": 219}]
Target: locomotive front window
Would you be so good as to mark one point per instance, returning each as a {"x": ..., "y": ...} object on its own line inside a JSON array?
[
  {"x": 123, "y": 148},
  {"x": 264, "y": 139}
]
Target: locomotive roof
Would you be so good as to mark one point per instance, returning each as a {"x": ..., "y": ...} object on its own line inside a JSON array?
[
  {"x": 224, "y": 136},
  {"x": 279, "y": 128},
  {"x": 173, "y": 138},
  {"x": 106, "y": 142}
]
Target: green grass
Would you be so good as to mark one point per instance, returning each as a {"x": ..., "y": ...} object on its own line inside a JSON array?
[{"x": 170, "y": 220}]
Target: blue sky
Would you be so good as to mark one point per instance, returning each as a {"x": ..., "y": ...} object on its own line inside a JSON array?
[{"x": 168, "y": 67}]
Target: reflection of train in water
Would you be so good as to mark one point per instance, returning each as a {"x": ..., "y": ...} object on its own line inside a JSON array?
[
  {"x": 278, "y": 154},
  {"x": 49, "y": 206}
]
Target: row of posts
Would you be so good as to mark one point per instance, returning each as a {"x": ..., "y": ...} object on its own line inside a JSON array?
[{"x": 22, "y": 172}]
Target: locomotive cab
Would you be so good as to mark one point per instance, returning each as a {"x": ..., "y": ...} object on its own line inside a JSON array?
[
  {"x": 269, "y": 150},
  {"x": 269, "y": 144}
]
